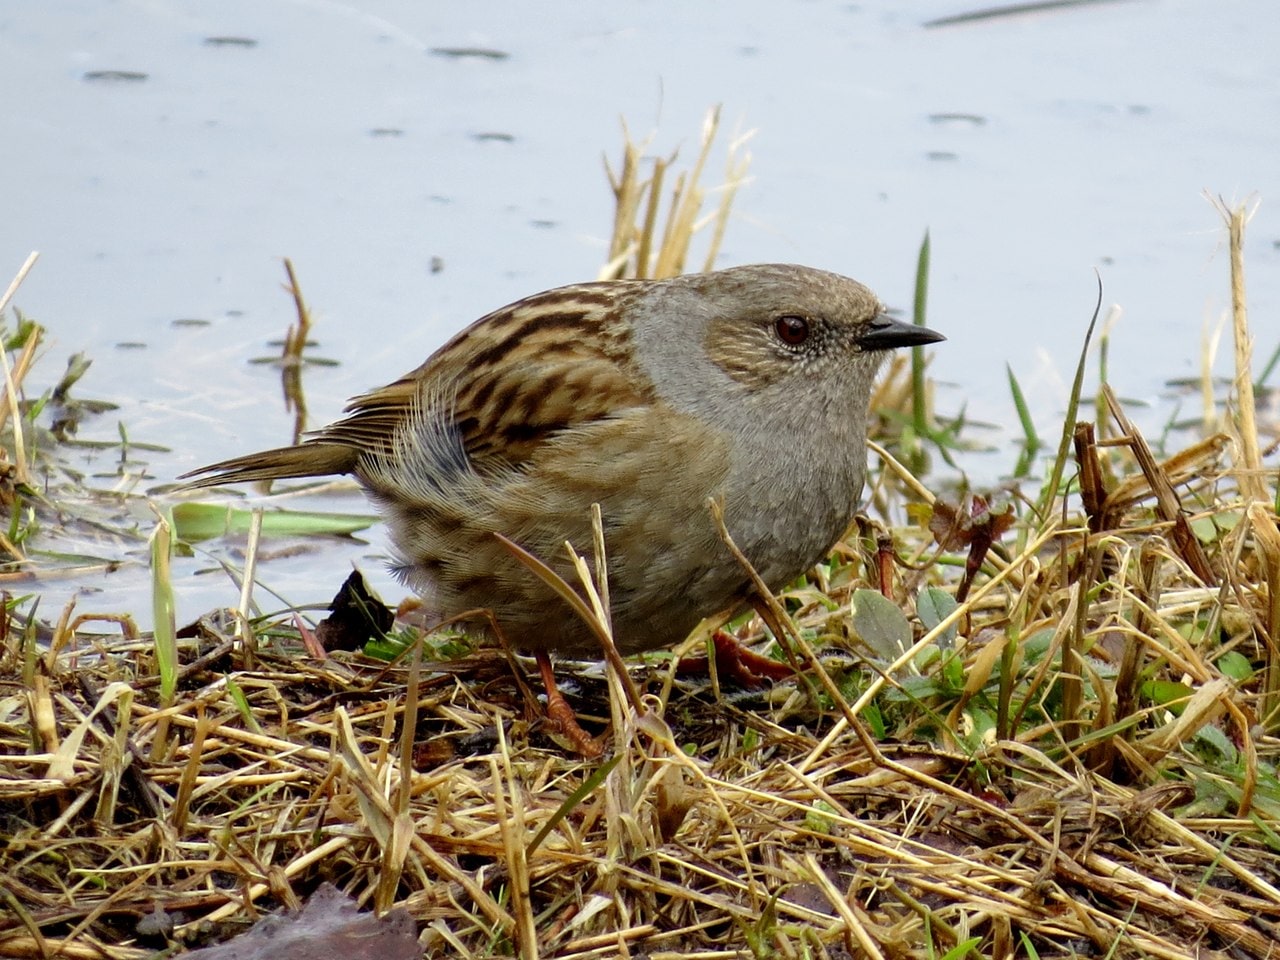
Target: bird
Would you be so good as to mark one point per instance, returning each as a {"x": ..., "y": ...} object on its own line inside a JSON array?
[{"x": 748, "y": 385}]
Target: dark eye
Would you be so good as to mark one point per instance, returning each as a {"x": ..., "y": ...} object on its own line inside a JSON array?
[{"x": 791, "y": 330}]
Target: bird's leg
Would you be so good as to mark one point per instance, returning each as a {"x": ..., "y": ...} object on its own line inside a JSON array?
[{"x": 560, "y": 715}]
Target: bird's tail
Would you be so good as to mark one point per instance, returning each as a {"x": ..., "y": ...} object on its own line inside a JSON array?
[{"x": 310, "y": 459}]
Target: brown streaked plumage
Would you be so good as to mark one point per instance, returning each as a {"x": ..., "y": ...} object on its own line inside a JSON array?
[{"x": 647, "y": 397}]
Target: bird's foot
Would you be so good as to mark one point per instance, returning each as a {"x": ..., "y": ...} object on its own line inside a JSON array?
[{"x": 735, "y": 662}]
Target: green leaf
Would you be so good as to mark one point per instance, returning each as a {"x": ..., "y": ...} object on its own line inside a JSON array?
[
  {"x": 880, "y": 624},
  {"x": 818, "y": 817},
  {"x": 874, "y": 719},
  {"x": 199, "y": 521},
  {"x": 962, "y": 949},
  {"x": 1167, "y": 693},
  {"x": 236, "y": 694},
  {"x": 1210, "y": 530},
  {"x": 932, "y": 607},
  {"x": 1235, "y": 666},
  {"x": 1218, "y": 741}
]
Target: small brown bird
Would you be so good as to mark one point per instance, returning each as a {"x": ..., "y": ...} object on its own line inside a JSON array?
[{"x": 647, "y": 397}]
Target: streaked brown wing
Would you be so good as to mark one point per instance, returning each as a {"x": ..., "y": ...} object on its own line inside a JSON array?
[{"x": 514, "y": 378}]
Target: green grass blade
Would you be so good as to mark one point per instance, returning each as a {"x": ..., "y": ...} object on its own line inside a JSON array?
[
  {"x": 163, "y": 609},
  {"x": 1073, "y": 408},
  {"x": 1030, "y": 438},
  {"x": 919, "y": 313}
]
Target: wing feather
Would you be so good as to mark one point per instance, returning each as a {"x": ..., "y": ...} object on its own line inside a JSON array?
[{"x": 512, "y": 380}]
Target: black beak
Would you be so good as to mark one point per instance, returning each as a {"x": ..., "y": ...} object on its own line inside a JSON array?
[{"x": 886, "y": 333}]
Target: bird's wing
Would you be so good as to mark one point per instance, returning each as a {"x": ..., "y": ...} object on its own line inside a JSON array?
[{"x": 512, "y": 380}]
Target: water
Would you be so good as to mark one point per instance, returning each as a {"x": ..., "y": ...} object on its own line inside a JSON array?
[{"x": 415, "y": 191}]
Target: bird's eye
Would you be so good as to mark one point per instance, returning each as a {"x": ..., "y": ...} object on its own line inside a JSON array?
[{"x": 792, "y": 330}]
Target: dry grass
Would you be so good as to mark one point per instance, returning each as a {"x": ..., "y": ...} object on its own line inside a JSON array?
[
  {"x": 1078, "y": 759},
  {"x": 645, "y": 245}
]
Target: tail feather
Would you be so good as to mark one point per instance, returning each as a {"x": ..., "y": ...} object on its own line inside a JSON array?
[{"x": 310, "y": 459}]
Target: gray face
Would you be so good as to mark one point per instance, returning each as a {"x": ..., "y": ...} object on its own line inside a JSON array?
[{"x": 772, "y": 335}]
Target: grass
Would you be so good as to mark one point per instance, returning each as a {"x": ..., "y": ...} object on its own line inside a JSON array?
[{"x": 1039, "y": 722}]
